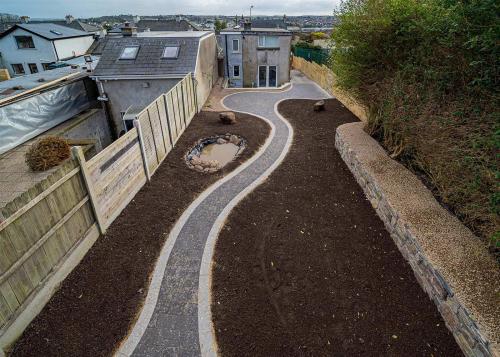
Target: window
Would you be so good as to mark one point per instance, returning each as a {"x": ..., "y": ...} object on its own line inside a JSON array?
[
  {"x": 46, "y": 66},
  {"x": 24, "y": 42},
  {"x": 33, "y": 67},
  {"x": 236, "y": 71},
  {"x": 269, "y": 42},
  {"x": 170, "y": 52},
  {"x": 18, "y": 68},
  {"x": 129, "y": 53},
  {"x": 236, "y": 45}
]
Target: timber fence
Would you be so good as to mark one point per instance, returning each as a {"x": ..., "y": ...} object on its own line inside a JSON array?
[{"x": 54, "y": 224}]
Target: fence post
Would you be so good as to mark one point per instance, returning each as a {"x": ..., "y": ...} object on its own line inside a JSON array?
[
  {"x": 182, "y": 101},
  {"x": 77, "y": 153},
  {"x": 137, "y": 125}
]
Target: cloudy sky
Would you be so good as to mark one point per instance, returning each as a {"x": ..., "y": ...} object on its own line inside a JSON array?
[{"x": 88, "y": 8}]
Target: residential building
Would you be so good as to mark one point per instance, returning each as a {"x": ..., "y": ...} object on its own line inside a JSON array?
[
  {"x": 31, "y": 48},
  {"x": 256, "y": 57},
  {"x": 136, "y": 68}
]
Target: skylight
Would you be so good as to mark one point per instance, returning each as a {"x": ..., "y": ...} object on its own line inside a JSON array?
[
  {"x": 129, "y": 52},
  {"x": 171, "y": 52}
]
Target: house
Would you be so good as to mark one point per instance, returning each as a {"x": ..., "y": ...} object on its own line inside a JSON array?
[
  {"x": 256, "y": 57},
  {"x": 177, "y": 24},
  {"x": 31, "y": 48},
  {"x": 136, "y": 68}
]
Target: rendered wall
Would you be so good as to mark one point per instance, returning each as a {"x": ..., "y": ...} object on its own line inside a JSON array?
[
  {"x": 232, "y": 59},
  {"x": 72, "y": 47},
  {"x": 253, "y": 57},
  {"x": 42, "y": 53},
  {"x": 123, "y": 94},
  {"x": 206, "y": 72}
]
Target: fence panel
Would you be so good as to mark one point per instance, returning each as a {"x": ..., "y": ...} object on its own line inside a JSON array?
[
  {"x": 116, "y": 175},
  {"x": 39, "y": 236}
]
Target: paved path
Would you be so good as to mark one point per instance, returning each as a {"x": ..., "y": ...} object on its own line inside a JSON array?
[{"x": 176, "y": 320}]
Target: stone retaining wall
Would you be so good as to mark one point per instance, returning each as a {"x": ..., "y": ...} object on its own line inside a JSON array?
[{"x": 449, "y": 262}]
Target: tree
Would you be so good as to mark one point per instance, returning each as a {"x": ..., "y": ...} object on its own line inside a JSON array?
[{"x": 220, "y": 25}]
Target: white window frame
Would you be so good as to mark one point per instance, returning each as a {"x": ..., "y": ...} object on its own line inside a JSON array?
[
  {"x": 239, "y": 71},
  {"x": 262, "y": 43},
  {"x": 232, "y": 45}
]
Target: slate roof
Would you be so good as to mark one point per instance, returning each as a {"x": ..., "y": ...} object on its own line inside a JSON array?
[
  {"x": 77, "y": 25},
  {"x": 149, "y": 59},
  {"x": 165, "y": 25},
  {"x": 44, "y": 30},
  {"x": 269, "y": 23}
]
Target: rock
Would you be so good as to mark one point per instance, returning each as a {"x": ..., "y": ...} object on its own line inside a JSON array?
[
  {"x": 233, "y": 139},
  {"x": 195, "y": 160},
  {"x": 227, "y": 118},
  {"x": 319, "y": 106},
  {"x": 199, "y": 167},
  {"x": 221, "y": 141}
]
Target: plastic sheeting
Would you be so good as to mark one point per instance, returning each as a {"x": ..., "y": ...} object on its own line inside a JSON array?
[{"x": 25, "y": 119}]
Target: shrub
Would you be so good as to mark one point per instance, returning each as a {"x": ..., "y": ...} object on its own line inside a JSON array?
[
  {"x": 46, "y": 153},
  {"x": 428, "y": 71}
]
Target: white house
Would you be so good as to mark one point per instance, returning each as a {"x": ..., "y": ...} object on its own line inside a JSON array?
[{"x": 31, "y": 48}]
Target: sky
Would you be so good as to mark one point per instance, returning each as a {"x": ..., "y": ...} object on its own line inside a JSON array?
[{"x": 91, "y": 8}]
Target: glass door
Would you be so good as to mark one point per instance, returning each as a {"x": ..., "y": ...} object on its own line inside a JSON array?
[
  {"x": 262, "y": 76},
  {"x": 272, "y": 76}
]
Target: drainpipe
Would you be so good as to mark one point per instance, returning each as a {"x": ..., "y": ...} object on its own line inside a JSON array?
[
  {"x": 227, "y": 58},
  {"x": 103, "y": 98}
]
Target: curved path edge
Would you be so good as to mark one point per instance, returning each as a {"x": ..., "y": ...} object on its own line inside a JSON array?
[{"x": 207, "y": 341}]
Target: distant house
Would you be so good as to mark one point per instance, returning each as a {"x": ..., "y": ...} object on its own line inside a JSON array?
[
  {"x": 256, "y": 57},
  {"x": 32, "y": 48},
  {"x": 177, "y": 24},
  {"x": 136, "y": 68}
]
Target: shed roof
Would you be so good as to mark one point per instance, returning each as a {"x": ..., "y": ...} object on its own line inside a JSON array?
[
  {"x": 149, "y": 61},
  {"x": 48, "y": 31}
]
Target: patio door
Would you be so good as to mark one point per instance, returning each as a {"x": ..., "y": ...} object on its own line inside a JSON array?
[{"x": 268, "y": 76}]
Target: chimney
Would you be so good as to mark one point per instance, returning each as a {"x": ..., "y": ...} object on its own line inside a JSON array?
[
  {"x": 69, "y": 19},
  {"x": 24, "y": 19},
  {"x": 247, "y": 26},
  {"x": 128, "y": 29}
]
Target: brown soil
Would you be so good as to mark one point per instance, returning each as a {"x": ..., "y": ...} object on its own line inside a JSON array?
[
  {"x": 99, "y": 301},
  {"x": 312, "y": 270}
]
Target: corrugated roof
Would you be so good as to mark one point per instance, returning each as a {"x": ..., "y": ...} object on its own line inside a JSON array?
[
  {"x": 149, "y": 59},
  {"x": 52, "y": 31}
]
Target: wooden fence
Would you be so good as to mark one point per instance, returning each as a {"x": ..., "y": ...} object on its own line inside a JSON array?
[
  {"x": 325, "y": 78},
  {"x": 80, "y": 201}
]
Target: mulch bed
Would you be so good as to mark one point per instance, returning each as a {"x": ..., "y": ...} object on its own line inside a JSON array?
[
  {"x": 99, "y": 301},
  {"x": 304, "y": 266}
]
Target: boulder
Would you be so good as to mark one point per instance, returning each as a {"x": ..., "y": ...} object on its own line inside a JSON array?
[
  {"x": 221, "y": 141},
  {"x": 319, "y": 106},
  {"x": 227, "y": 118},
  {"x": 233, "y": 139}
]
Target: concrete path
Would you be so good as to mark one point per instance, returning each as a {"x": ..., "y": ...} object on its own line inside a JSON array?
[{"x": 176, "y": 318}]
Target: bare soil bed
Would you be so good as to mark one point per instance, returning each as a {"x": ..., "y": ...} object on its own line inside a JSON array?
[
  {"x": 304, "y": 266},
  {"x": 99, "y": 301}
]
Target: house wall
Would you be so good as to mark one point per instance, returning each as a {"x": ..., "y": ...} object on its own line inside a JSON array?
[
  {"x": 253, "y": 57},
  {"x": 133, "y": 92},
  {"x": 232, "y": 59},
  {"x": 42, "y": 53},
  {"x": 206, "y": 71},
  {"x": 91, "y": 124},
  {"x": 73, "y": 47}
]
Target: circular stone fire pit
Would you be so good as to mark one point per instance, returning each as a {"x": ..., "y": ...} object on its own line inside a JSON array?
[{"x": 212, "y": 154}]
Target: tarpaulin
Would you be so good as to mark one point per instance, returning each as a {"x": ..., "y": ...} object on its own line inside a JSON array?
[{"x": 27, "y": 118}]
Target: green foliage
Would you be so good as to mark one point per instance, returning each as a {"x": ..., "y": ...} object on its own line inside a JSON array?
[
  {"x": 318, "y": 35},
  {"x": 429, "y": 72},
  {"x": 220, "y": 25}
]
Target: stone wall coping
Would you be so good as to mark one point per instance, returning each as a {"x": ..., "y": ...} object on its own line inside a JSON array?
[{"x": 458, "y": 272}]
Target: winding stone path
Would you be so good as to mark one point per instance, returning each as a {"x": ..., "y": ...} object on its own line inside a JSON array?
[{"x": 176, "y": 320}]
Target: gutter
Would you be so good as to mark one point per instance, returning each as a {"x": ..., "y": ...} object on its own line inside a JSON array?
[{"x": 138, "y": 76}]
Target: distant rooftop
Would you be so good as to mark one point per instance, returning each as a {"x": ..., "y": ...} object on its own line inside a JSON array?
[
  {"x": 255, "y": 29},
  {"x": 48, "y": 31}
]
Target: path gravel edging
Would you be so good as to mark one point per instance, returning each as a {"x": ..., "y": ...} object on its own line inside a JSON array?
[{"x": 449, "y": 262}]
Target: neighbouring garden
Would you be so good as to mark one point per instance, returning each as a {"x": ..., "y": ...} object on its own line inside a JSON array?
[{"x": 428, "y": 70}]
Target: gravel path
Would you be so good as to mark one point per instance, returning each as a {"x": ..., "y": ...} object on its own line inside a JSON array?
[{"x": 176, "y": 320}]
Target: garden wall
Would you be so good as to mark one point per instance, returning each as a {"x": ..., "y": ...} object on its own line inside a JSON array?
[
  {"x": 449, "y": 262},
  {"x": 325, "y": 78},
  {"x": 50, "y": 228}
]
